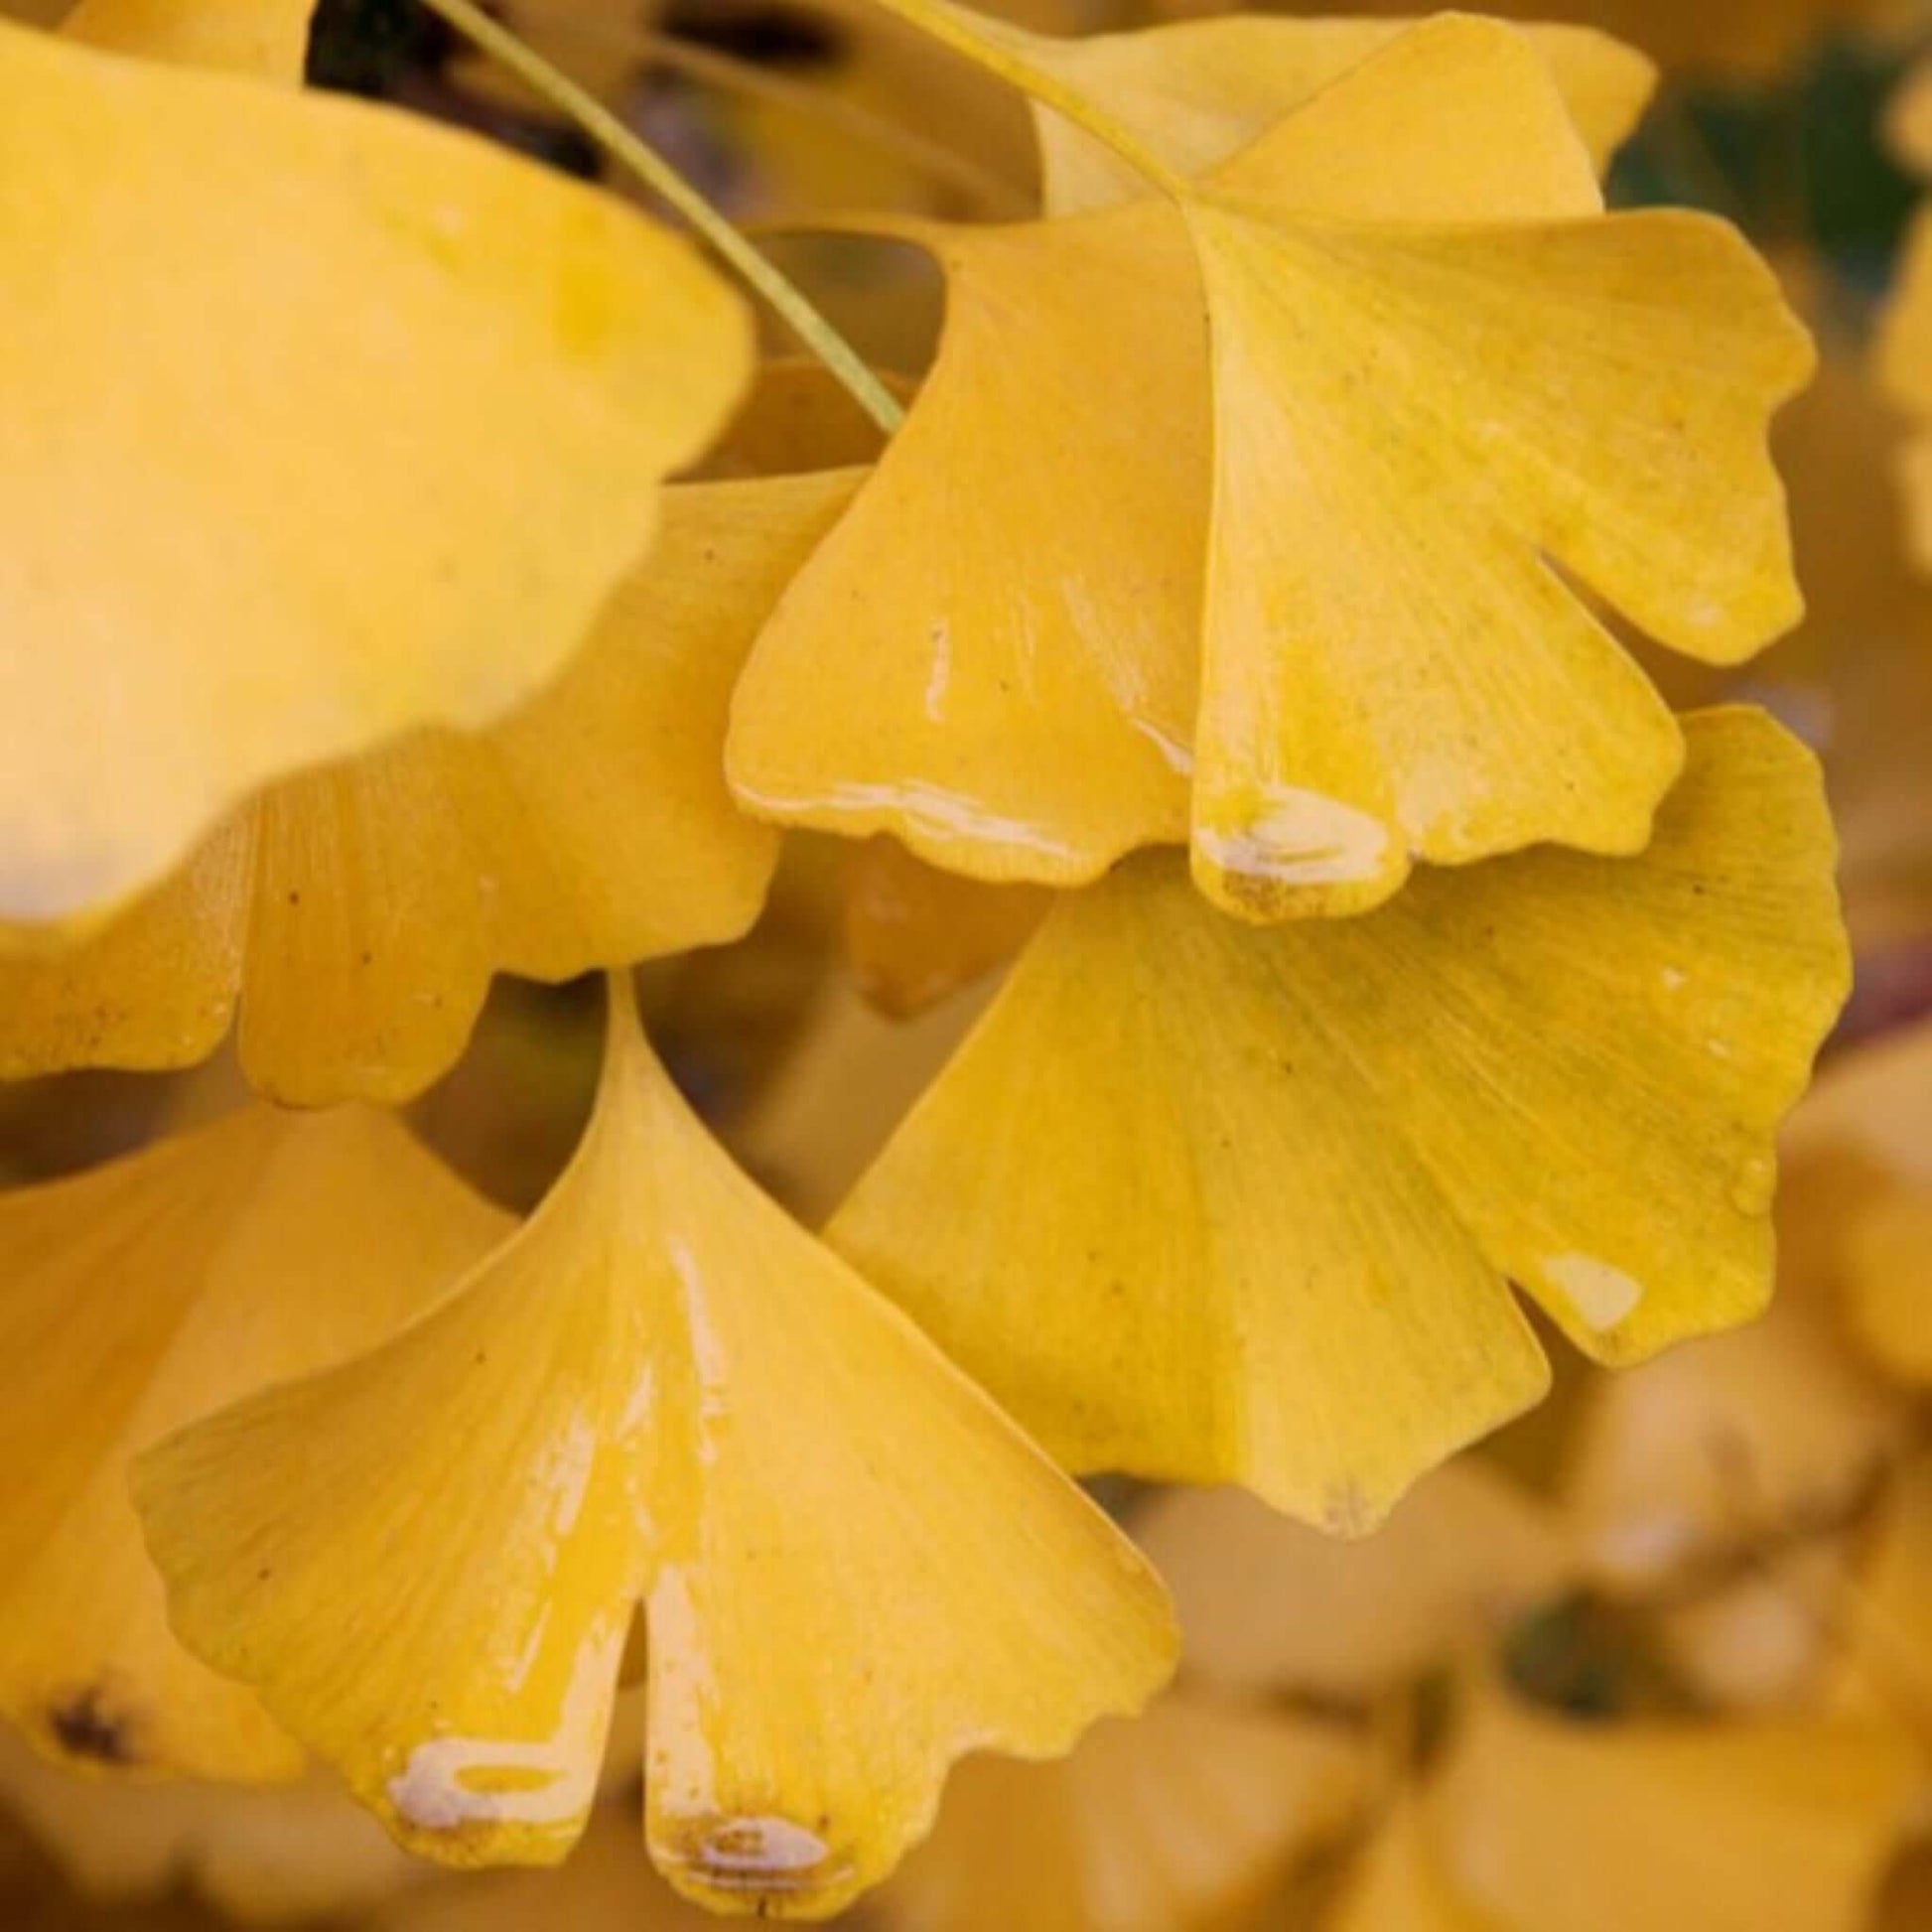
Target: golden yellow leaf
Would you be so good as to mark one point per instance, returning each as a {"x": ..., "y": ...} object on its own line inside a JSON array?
[
  {"x": 1268, "y": 1605},
  {"x": 1559, "y": 391},
  {"x": 390, "y": 432},
  {"x": 356, "y": 915},
  {"x": 140, "y": 1295},
  {"x": 1437, "y": 377},
  {"x": 1183, "y": 1818},
  {"x": 992, "y": 657},
  {"x": 1213, "y": 1203},
  {"x": 854, "y": 1569},
  {"x": 1571, "y": 1827},
  {"x": 915, "y": 934},
  {"x": 1196, "y": 91},
  {"x": 295, "y": 1853},
  {"x": 268, "y": 39}
]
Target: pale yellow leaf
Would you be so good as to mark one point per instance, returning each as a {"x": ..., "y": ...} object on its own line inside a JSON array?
[
  {"x": 141, "y": 1296},
  {"x": 853, "y": 1568},
  {"x": 1210, "y": 1202},
  {"x": 356, "y": 916},
  {"x": 388, "y": 434}
]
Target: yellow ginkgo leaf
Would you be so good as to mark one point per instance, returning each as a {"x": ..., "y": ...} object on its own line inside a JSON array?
[
  {"x": 265, "y": 37},
  {"x": 1268, "y": 1605},
  {"x": 1196, "y": 91},
  {"x": 1568, "y": 1827},
  {"x": 1559, "y": 391},
  {"x": 854, "y": 1569},
  {"x": 1185, "y": 1818},
  {"x": 297, "y": 1852},
  {"x": 992, "y": 657},
  {"x": 389, "y": 434},
  {"x": 1218, "y": 1204},
  {"x": 1430, "y": 379},
  {"x": 357, "y": 913},
  {"x": 138, "y": 1296},
  {"x": 915, "y": 934}
]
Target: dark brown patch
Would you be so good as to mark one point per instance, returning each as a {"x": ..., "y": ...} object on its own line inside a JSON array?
[{"x": 86, "y": 1725}]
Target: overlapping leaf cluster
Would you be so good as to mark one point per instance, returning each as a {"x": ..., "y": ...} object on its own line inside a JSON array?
[{"x": 1228, "y": 631}]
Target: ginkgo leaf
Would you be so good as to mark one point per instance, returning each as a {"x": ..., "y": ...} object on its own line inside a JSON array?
[
  {"x": 854, "y": 1569},
  {"x": 1318, "y": 566},
  {"x": 297, "y": 1852},
  {"x": 268, "y": 39},
  {"x": 1571, "y": 1827},
  {"x": 356, "y": 915},
  {"x": 1218, "y": 1204},
  {"x": 915, "y": 934},
  {"x": 1268, "y": 1605},
  {"x": 1559, "y": 391},
  {"x": 1196, "y": 91},
  {"x": 455, "y": 377},
  {"x": 140, "y": 1295},
  {"x": 992, "y": 655},
  {"x": 1185, "y": 1818}
]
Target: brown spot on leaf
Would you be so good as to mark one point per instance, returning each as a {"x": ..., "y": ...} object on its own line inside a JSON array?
[{"x": 86, "y": 1725}]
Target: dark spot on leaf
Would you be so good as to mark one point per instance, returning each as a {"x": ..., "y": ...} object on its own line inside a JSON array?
[{"x": 85, "y": 1726}]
